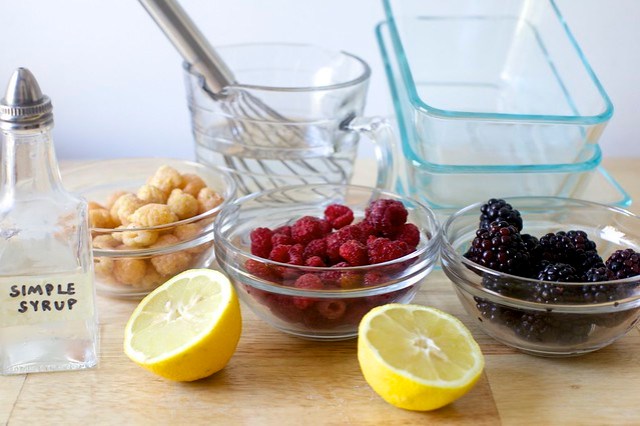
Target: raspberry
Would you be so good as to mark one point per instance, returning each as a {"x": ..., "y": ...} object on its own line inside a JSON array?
[
  {"x": 331, "y": 309},
  {"x": 341, "y": 236},
  {"x": 306, "y": 228},
  {"x": 309, "y": 282},
  {"x": 350, "y": 279},
  {"x": 332, "y": 277},
  {"x": 386, "y": 216},
  {"x": 356, "y": 310},
  {"x": 257, "y": 294},
  {"x": 306, "y": 282},
  {"x": 284, "y": 230},
  {"x": 384, "y": 298},
  {"x": 410, "y": 234},
  {"x": 338, "y": 215},
  {"x": 284, "y": 308},
  {"x": 374, "y": 278},
  {"x": 325, "y": 227},
  {"x": 383, "y": 236},
  {"x": 279, "y": 239},
  {"x": 316, "y": 248},
  {"x": 315, "y": 261},
  {"x": 261, "y": 242},
  {"x": 280, "y": 253},
  {"x": 260, "y": 269},
  {"x": 295, "y": 254},
  {"x": 383, "y": 250},
  {"x": 289, "y": 275},
  {"x": 354, "y": 252},
  {"x": 366, "y": 229}
]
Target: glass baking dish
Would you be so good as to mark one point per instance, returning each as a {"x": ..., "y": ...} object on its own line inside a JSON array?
[
  {"x": 494, "y": 82},
  {"x": 452, "y": 186}
]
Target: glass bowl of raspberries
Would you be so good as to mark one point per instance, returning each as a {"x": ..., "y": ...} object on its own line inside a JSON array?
[
  {"x": 150, "y": 219},
  {"x": 549, "y": 276},
  {"x": 311, "y": 260}
]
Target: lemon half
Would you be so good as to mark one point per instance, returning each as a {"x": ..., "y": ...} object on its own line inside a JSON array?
[
  {"x": 417, "y": 357},
  {"x": 186, "y": 329}
]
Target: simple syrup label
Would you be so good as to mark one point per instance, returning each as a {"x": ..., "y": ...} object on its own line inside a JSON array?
[{"x": 33, "y": 300}]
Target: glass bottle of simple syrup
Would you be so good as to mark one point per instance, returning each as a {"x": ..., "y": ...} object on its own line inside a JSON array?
[{"x": 48, "y": 319}]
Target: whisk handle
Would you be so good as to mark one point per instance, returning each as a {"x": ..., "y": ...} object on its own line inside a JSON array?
[{"x": 190, "y": 42}]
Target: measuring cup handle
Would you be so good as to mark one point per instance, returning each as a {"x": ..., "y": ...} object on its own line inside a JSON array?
[{"x": 380, "y": 132}]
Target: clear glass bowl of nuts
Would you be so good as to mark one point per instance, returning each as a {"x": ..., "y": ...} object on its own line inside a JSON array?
[{"x": 150, "y": 218}]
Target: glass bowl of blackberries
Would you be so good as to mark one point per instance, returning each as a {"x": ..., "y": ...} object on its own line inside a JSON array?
[
  {"x": 311, "y": 260},
  {"x": 548, "y": 276}
]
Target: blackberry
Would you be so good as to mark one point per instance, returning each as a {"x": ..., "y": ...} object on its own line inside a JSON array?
[
  {"x": 533, "y": 327},
  {"x": 589, "y": 293},
  {"x": 559, "y": 272},
  {"x": 623, "y": 264},
  {"x": 548, "y": 327},
  {"x": 556, "y": 247},
  {"x": 595, "y": 294},
  {"x": 504, "y": 286},
  {"x": 581, "y": 240},
  {"x": 532, "y": 244},
  {"x": 573, "y": 247},
  {"x": 597, "y": 274},
  {"x": 498, "y": 209},
  {"x": 586, "y": 260},
  {"x": 497, "y": 313},
  {"x": 586, "y": 255},
  {"x": 500, "y": 248},
  {"x": 550, "y": 291}
]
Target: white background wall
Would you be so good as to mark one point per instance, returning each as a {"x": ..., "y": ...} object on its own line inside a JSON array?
[{"x": 117, "y": 86}]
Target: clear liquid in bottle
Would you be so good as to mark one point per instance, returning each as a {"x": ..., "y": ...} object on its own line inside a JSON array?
[{"x": 48, "y": 318}]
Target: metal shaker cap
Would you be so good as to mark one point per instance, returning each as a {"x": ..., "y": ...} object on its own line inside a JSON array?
[{"x": 24, "y": 107}]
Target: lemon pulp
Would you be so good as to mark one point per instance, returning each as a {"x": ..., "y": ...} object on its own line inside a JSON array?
[
  {"x": 186, "y": 329},
  {"x": 417, "y": 357}
]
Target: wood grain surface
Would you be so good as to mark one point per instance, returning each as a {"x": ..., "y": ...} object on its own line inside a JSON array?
[{"x": 277, "y": 379}]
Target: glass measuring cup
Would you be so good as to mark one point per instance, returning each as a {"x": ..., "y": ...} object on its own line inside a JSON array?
[{"x": 295, "y": 118}]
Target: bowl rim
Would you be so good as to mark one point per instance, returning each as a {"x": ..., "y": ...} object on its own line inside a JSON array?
[
  {"x": 450, "y": 255},
  {"x": 229, "y": 182},
  {"x": 430, "y": 249},
  {"x": 363, "y": 76}
]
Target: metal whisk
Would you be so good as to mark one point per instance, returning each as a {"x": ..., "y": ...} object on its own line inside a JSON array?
[{"x": 249, "y": 118}]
